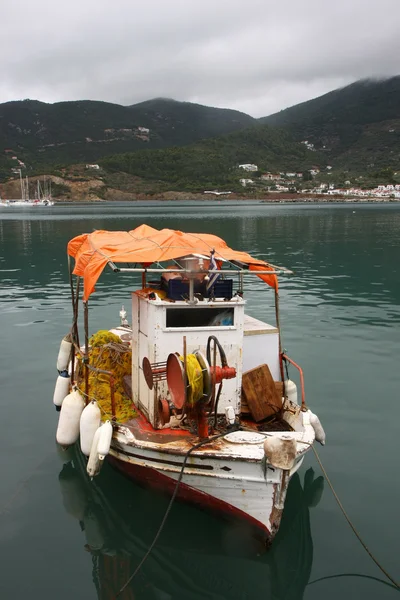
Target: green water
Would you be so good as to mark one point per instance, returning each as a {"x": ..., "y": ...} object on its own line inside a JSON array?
[{"x": 62, "y": 537}]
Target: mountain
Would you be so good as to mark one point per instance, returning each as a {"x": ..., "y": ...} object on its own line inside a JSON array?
[
  {"x": 214, "y": 162},
  {"x": 181, "y": 123},
  {"x": 41, "y": 134},
  {"x": 356, "y": 127}
]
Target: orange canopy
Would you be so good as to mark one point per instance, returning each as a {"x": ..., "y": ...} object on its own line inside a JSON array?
[{"x": 146, "y": 245}]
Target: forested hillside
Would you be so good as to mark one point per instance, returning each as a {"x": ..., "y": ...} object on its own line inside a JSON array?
[
  {"x": 356, "y": 127},
  {"x": 214, "y": 162},
  {"x": 43, "y": 135}
]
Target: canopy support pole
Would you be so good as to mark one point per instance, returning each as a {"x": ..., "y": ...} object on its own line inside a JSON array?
[
  {"x": 86, "y": 361},
  {"x": 241, "y": 283},
  {"x": 199, "y": 272},
  {"x": 75, "y": 333},
  {"x": 280, "y": 338},
  {"x": 76, "y": 311},
  {"x": 75, "y": 307},
  {"x": 71, "y": 283}
]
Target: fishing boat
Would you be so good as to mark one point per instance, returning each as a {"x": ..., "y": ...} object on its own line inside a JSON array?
[
  {"x": 193, "y": 395},
  {"x": 42, "y": 195}
]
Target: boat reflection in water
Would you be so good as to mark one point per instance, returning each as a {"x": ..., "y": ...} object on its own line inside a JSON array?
[{"x": 197, "y": 556}]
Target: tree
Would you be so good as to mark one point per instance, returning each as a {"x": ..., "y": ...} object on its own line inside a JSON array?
[
  {"x": 307, "y": 176},
  {"x": 386, "y": 175}
]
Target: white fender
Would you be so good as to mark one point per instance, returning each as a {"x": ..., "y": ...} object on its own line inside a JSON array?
[
  {"x": 64, "y": 353},
  {"x": 280, "y": 451},
  {"x": 319, "y": 430},
  {"x": 103, "y": 447},
  {"x": 89, "y": 423},
  {"x": 291, "y": 390},
  {"x": 68, "y": 423},
  {"x": 93, "y": 465},
  {"x": 62, "y": 388}
]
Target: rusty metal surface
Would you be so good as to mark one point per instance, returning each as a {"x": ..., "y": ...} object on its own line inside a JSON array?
[
  {"x": 164, "y": 411},
  {"x": 153, "y": 372},
  {"x": 178, "y": 441}
]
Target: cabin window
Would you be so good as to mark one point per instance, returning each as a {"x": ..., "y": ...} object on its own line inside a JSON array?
[{"x": 200, "y": 317}]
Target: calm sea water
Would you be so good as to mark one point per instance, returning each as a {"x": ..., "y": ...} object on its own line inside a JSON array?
[{"x": 66, "y": 538}]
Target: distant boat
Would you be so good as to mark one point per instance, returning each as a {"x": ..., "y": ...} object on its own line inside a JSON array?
[
  {"x": 216, "y": 193},
  {"x": 42, "y": 195}
]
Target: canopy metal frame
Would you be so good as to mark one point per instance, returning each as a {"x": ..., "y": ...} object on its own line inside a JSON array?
[{"x": 234, "y": 270}]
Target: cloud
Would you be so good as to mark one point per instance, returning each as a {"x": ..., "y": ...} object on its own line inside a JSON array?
[{"x": 258, "y": 56}]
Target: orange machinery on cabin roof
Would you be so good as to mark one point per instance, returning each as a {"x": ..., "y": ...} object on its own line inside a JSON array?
[{"x": 146, "y": 245}]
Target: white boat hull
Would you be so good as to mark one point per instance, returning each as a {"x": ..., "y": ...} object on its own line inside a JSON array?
[{"x": 244, "y": 488}]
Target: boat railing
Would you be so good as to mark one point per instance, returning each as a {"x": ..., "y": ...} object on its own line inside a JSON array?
[{"x": 300, "y": 370}]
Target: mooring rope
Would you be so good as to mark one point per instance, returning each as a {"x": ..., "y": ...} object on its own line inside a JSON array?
[
  {"x": 361, "y": 575},
  {"x": 161, "y": 527},
  {"x": 364, "y": 545}
]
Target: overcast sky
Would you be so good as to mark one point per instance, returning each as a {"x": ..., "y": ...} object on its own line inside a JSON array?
[{"x": 258, "y": 56}]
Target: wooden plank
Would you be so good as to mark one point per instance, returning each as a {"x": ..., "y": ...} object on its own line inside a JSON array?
[
  {"x": 244, "y": 407},
  {"x": 279, "y": 388},
  {"x": 260, "y": 393}
]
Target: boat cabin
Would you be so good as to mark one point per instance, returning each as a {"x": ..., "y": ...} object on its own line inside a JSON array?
[{"x": 159, "y": 327}]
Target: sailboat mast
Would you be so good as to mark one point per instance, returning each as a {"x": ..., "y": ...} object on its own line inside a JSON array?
[{"x": 22, "y": 185}]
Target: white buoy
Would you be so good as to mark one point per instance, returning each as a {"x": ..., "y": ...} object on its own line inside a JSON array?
[
  {"x": 104, "y": 444},
  {"x": 319, "y": 430},
  {"x": 291, "y": 390},
  {"x": 64, "y": 354},
  {"x": 68, "y": 423},
  {"x": 93, "y": 465},
  {"x": 89, "y": 423},
  {"x": 62, "y": 388}
]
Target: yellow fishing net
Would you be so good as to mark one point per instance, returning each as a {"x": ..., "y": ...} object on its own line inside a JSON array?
[
  {"x": 195, "y": 379},
  {"x": 108, "y": 353}
]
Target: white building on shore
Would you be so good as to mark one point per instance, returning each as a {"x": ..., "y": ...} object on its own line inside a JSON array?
[{"x": 248, "y": 167}]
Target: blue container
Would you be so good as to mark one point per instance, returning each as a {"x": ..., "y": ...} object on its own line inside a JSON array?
[
  {"x": 178, "y": 289},
  {"x": 222, "y": 288}
]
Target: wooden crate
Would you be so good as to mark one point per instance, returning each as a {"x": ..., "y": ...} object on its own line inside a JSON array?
[{"x": 261, "y": 395}]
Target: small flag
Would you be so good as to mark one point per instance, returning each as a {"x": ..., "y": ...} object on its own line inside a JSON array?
[{"x": 213, "y": 266}]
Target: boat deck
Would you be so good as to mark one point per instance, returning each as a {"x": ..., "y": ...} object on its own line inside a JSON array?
[{"x": 176, "y": 440}]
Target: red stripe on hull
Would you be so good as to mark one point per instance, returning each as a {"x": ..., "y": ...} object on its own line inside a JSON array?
[{"x": 158, "y": 481}]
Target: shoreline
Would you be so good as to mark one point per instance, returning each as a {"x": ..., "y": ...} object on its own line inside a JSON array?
[
  {"x": 78, "y": 191},
  {"x": 276, "y": 199}
]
